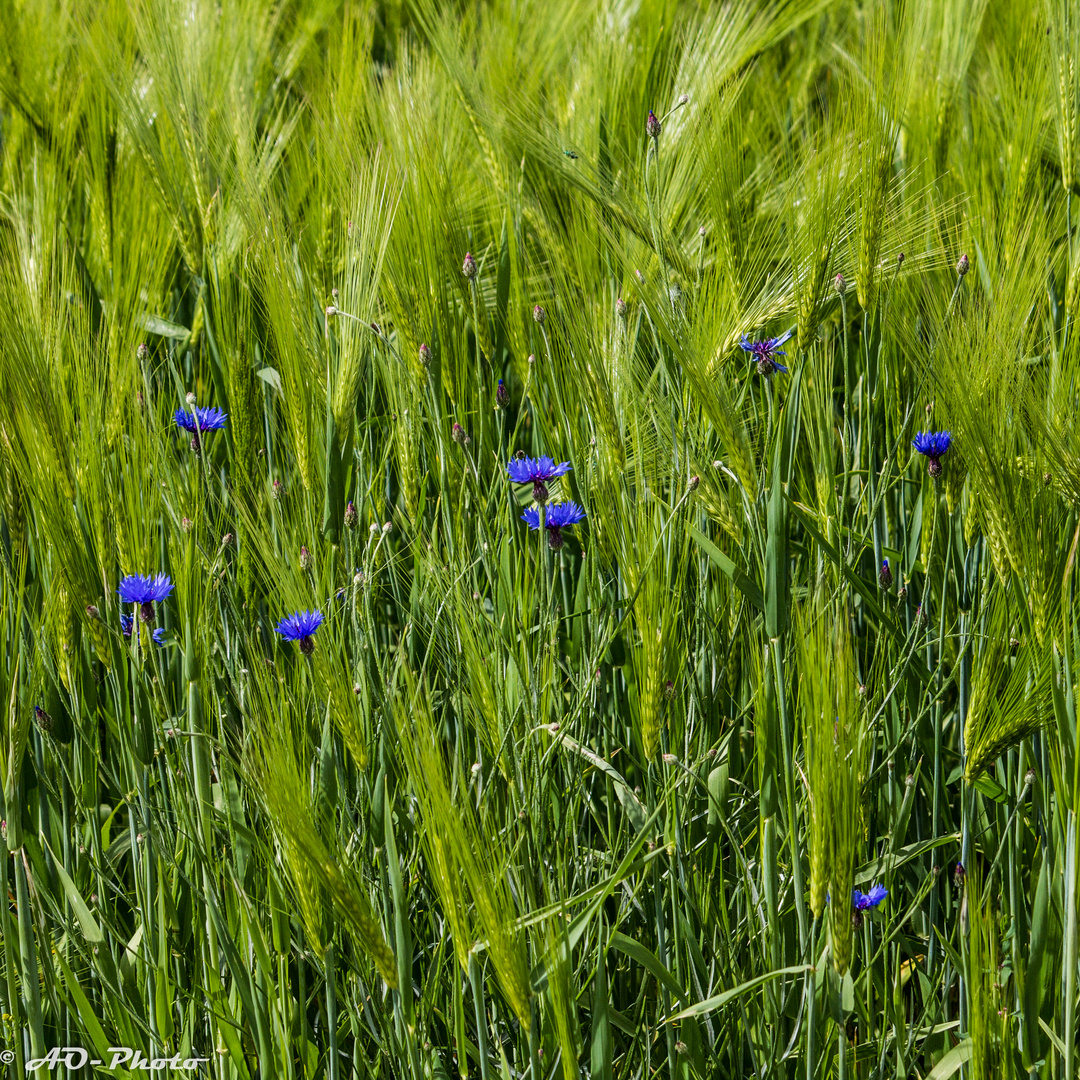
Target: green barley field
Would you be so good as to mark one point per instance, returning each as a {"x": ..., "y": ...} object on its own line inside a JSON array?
[{"x": 539, "y": 539}]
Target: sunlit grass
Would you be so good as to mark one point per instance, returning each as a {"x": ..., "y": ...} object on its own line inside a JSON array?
[{"x": 519, "y": 808}]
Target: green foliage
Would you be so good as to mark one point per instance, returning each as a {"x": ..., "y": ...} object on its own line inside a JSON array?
[{"x": 532, "y": 810}]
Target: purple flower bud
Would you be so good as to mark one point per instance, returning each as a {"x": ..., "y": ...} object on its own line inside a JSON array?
[
  {"x": 885, "y": 577},
  {"x": 652, "y": 125},
  {"x": 469, "y": 267}
]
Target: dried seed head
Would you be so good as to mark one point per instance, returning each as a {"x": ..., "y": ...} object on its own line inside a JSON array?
[
  {"x": 469, "y": 267},
  {"x": 962, "y": 266}
]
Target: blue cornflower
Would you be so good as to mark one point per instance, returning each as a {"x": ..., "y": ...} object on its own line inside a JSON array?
[
  {"x": 763, "y": 352},
  {"x": 144, "y": 590},
  {"x": 536, "y": 471},
  {"x": 557, "y": 518},
  {"x": 933, "y": 444},
  {"x": 300, "y": 626},
  {"x": 198, "y": 420},
  {"x": 861, "y": 901},
  {"x": 127, "y": 623}
]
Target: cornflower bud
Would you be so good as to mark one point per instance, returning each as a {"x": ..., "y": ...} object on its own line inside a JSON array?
[
  {"x": 539, "y": 314},
  {"x": 839, "y": 285},
  {"x": 458, "y": 433},
  {"x": 962, "y": 266},
  {"x": 469, "y": 267},
  {"x": 502, "y": 395},
  {"x": 621, "y": 308},
  {"x": 305, "y": 557},
  {"x": 425, "y": 356},
  {"x": 351, "y": 516},
  {"x": 652, "y": 125},
  {"x": 885, "y": 577},
  {"x": 143, "y": 351}
]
